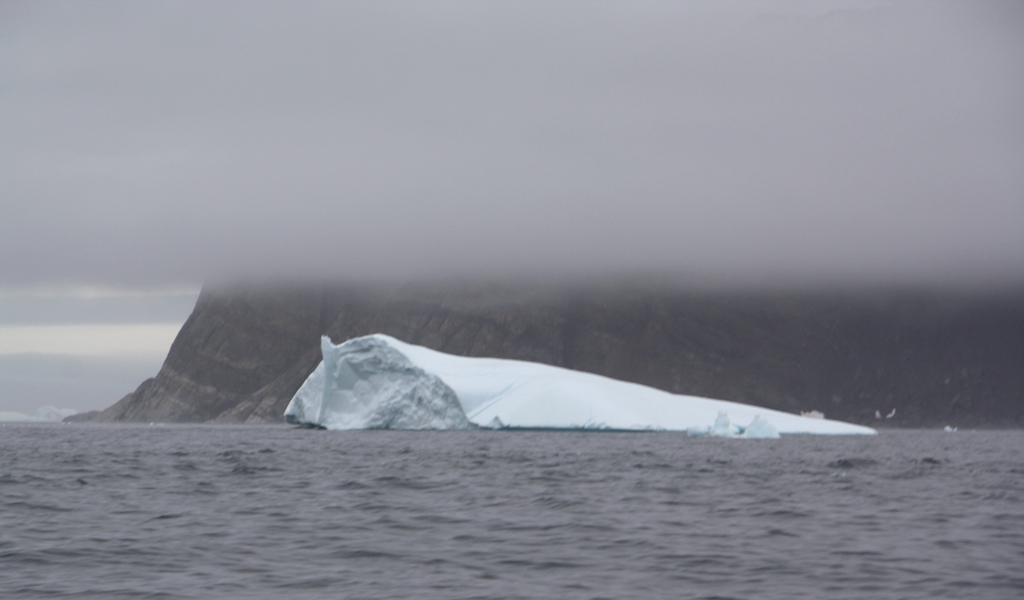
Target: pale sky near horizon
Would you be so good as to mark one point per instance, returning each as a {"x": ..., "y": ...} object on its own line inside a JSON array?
[
  {"x": 148, "y": 147},
  {"x": 83, "y": 348}
]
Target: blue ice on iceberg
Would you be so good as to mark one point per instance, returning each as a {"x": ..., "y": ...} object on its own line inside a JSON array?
[
  {"x": 379, "y": 382},
  {"x": 366, "y": 383}
]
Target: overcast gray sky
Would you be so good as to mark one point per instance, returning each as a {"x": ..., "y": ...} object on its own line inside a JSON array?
[{"x": 163, "y": 143}]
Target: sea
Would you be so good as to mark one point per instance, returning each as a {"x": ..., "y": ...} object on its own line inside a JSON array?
[{"x": 197, "y": 511}]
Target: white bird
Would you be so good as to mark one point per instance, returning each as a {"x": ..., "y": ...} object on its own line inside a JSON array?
[
  {"x": 891, "y": 414},
  {"x": 878, "y": 415}
]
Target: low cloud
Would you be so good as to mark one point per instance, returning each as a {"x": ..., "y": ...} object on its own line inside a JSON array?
[{"x": 160, "y": 143}]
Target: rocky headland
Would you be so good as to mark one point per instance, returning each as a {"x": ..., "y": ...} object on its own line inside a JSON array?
[{"x": 934, "y": 359}]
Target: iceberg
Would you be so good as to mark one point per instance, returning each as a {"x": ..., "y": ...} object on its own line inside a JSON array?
[
  {"x": 53, "y": 414},
  {"x": 366, "y": 383},
  {"x": 379, "y": 382},
  {"x": 50, "y": 414}
]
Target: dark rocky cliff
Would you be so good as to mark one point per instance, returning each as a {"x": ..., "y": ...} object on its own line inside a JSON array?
[{"x": 937, "y": 360}]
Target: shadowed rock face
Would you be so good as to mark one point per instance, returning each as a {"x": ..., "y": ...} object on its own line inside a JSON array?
[{"x": 244, "y": 352}]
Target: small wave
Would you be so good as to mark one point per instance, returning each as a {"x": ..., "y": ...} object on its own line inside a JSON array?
[{"x": 853, "y": 463}]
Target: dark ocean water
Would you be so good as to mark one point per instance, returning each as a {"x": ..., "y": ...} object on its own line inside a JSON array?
[{"x": 91, "y": 511}]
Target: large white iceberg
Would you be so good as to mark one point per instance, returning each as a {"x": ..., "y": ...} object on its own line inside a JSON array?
[{"x": 379, "y": 382}]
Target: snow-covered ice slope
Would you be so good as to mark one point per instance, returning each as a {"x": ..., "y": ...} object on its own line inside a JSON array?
[{"x": 380, "y": 382}]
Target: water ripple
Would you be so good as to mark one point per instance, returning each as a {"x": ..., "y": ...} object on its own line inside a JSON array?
[{"x": 265, "y": 512}]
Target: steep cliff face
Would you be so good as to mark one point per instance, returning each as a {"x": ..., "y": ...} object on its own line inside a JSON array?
[
  {"x": 234, "y": 347},
  {"x": 244, "y": 351}
]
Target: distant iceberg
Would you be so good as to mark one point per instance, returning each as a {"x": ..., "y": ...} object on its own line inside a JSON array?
[
  {"x": 50, "y": 414},
  {"x": 379, "y": 382}
]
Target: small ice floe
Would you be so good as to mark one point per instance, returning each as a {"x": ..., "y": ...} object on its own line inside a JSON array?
[
  {"x": 758, "y": 429},
  {"x": 812, "y": 414},
  {"x": 722, "y": 427},
  {"x": 494, "y": 424},
  {"x": 949, "y": 429}
]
